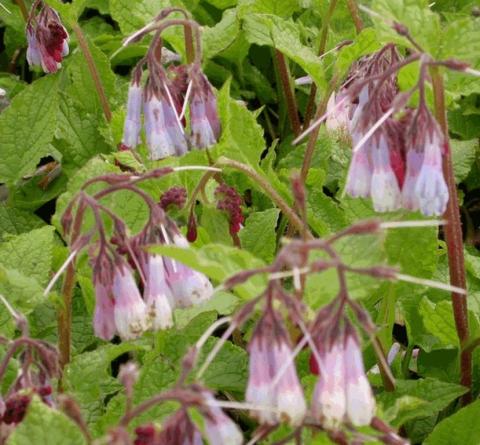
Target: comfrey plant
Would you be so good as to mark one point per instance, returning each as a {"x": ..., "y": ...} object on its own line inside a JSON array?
[
  {"x": 398, "y": 149},
  {"x": 47, "y": 38},
  {"x": 135, "y": 290},
  {"x": 167, "y": 94}
]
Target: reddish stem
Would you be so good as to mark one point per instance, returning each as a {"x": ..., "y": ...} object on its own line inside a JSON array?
[
  {"x": 288, "y": 91},
  {"x": 454, "y": 239},
  {"x": 355, "y": 13}
]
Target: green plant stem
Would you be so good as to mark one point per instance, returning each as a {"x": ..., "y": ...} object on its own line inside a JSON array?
[
  {"x": 321, "y": 50},
  {"x": 82, "y": 42},
  {"x": 312, "y": 140},
  {"x": 288, "y": 91},
  {"x": 454, "y": 239},
  {"x": 23, "y": 8},
  {"x": 269, "y": 190},
  {"x": 355, "y": 13}
]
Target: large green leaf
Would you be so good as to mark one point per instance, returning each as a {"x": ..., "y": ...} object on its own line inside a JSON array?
[{"x": 27, "y": 127}]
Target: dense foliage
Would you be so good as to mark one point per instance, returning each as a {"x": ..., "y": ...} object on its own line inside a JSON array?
[{"x": 288, "y": 265}]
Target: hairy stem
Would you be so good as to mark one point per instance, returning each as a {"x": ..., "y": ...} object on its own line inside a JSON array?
[
  {"x": 288, "y": 91},
  {"x": 64, "y": 319},
  {"x": 321, "y": 50},
  {"x": 355, "y": 13},
  {"x": 82, "y": 42},
  {"x": 269, "y": 190},
  {"x": 454, "y": 239}
]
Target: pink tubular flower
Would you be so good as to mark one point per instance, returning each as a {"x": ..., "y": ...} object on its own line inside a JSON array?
[
  {"x": 359, "y": 395},
  {"x": 385, "y": 191},
  {"x": 329, "y": 401},
  {"x": 338, "y": 109},
  {"x": 163, "y": 129},
  {"x": 220, "y": 429},
  {"x": 104, "y": 317},
  {"x": 431, "y": 189},
  {"x": 204, "y": 122},
  {"x": 342, "y": 393},
  {"x": 157, "y": 293},
  {"x": 414, "y": 165},
  {"x": 133, "y": 121},
  {"x": 273, "y": 382},
  {"x": 188, "y": 287},
  {"x": 130, "y": 310},
  {"x": 47, "y": 40}
]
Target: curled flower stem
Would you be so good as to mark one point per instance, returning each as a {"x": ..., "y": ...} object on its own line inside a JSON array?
[
  {"x": 82, "y": 42},
  {"x": 288, "y": 91},
  {"x": 321, "y": 51},
  {"x": 454, "y": 239}
]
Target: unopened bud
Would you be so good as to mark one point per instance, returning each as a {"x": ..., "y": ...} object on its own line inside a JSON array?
[
  {"x": 128, "y": 375},
  {"x": 192, "y": 227}
]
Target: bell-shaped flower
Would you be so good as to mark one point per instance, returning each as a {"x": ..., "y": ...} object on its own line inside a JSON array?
[
  {"x": 157, "y": 293},
  {"x": 130, "y": 310},
  {"x": 133, "y": 121},
  {"x": 104, "y": 317}
]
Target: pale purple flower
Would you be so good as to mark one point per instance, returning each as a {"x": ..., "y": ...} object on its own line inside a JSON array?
[
  {"x": 273, "y": 381},
  {"x": 158, "y": 140},
  {"x": 219, "y": 428},
  {"x": 414, "y": 165},
  {"x": 329, "y": 398},
  {"x": 385, "y": 191},
  {"x": 130, "y": 310},
  {"x": 359, "y": 395},
  {"x": 104, "y": 319},
  {"x": 204, "y": 121},
  {"x": 133, "y": 121},
  {"x": 157, "y": 293},
  {"x": 359, "y": 177},
  {"x": 431, "y": 189},
  {"x": 338, "y": 109},
  {"x": 188, "y": 287}
]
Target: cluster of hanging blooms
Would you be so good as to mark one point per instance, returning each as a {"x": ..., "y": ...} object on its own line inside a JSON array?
[
  {"x": 47, "y": 38},
  {"x": 38, "y": 366},
  {"x": 135, "y": 290},
  {"x": 397, "y": 150},
  {"x": 165, "y": 97}
]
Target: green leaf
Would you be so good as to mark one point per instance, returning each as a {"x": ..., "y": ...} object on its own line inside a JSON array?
[
  {"x": 82, "y": 87},
  {"x": 464, "y": 154},
  {"x": 259, "y": 236},
  {"x": 78, "y": 137},
  {"x": 219, "y": 262},
  {"x": 30, "y": 253},
  {"x": 271, "y": 30},
  {"x": 14, "y": 221},
  {"x": 132, "y": 15},
  {"x": 365, "y": 43},
  {"x": 438, "y": 320},
  {"x": 27, "y": 127},
  {"x": 216, "y": 225},
  {"x": 462, "y": 428},
  {"x": 218, "y": 38},
  {"x": 433, "y": 394},
  {"x": 284, "y": 9},
  {"x": 45, "y": 426},
  {"x": 89, "y": 380},
  {"x": 242, "y": 137}
]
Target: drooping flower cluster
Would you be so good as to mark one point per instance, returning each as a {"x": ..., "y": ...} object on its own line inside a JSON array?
[
  {"x": 38, "y": 366},
  {"x": 273, "y": 382},
  {"x": 164, "y": 99},
  {"x": 399, "y": 163},
  {"x": 342, "y": 393},
  {"x": 47, "y": 39},
  {"x": 167, "y": 284}
]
